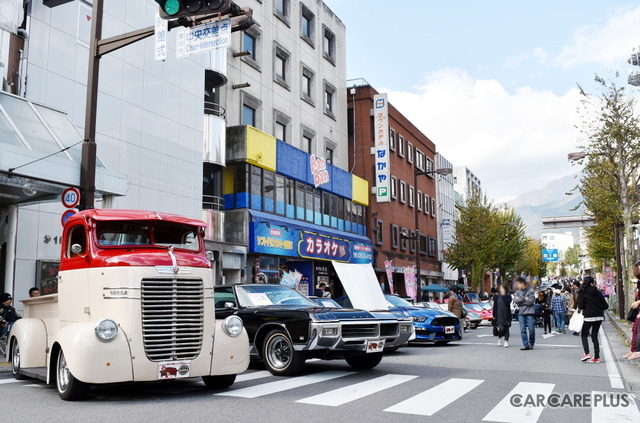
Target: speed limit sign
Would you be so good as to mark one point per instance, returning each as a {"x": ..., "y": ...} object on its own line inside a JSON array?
[{"x": 70, "y": 197}]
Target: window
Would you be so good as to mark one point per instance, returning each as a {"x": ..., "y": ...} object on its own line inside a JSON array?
[
  {"x": 329, "y": 155},
  {"x": 400, "y": 145},
  {"x": 248, "y": 115},
  {"x": 395, "y": 235},
  {"x": 281, "y": 126},
  {"x": 307, "y": 24},
  {"x": 429, "y": 166},
  {"x": 329, "y": 99},
  {"x": 378, "y": 232},
  {"x": 300, "y": 204},
  {"x": 308, "y": 136},
  {"x": 394, "y": 187},
  {"x": 269, "y": 191},
  {"x": 403, "y": 194},
  {"x": 409, "y": 152},
  {"x": 310, "y": 200},
  {"x": 77, "y": 236},
  {"x": 419, "y": 200},
  {"x": 423, "y": 244},
  {"x": 281, "y": 131},
  {"x": 256, "y": 188},
  {"x": 412, "y": 242},
  {"x": 249, "y": 45},
  {"x": 329, "y": 45},
  {"x": 281, "y": 66},
  {"x": 392, "y": 139},
  {"x": 282, "y": 10},
  {"x": 281, "y": 193},
  {"x": 427, "y": 203},
  {"x": 307, "y": 85},
  {"x": 412, "y": 195},
  {"x": 420, "y": 160},
  {"x": 433, "y": 207},
  {"x": 433, "y": 247},
  {"x": 307, "y": 144},
  {"x": 403, "y": 238}
]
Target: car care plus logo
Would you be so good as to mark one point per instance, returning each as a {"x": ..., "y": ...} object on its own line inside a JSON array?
[{"x": 318, "y": 170}]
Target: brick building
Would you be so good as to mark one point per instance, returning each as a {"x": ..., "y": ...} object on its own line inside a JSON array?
[{"x": 391, "y": 224}]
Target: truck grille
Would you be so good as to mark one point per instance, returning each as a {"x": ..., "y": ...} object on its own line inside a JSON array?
[
  {"x": 445, "y": 321},
  {"x": 172, "y": 318},
  {"x": 359, "y": 331}
]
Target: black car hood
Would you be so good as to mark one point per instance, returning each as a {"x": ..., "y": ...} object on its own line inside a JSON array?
[{"x": 316, "y": 313}]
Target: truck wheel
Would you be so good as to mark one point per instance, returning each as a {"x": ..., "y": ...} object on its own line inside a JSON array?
[
  {"x": 15, "y": 360},
  {"x": 365, "y": 361},
  {"x": 69, "y": 388},
  {"x": 219, "y": 382},
  {"x": 279, "y": 356}
]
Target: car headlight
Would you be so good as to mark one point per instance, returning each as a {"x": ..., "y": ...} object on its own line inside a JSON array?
[
  {"x": 406, "y": 328},
  {"x": 106, "y": 330},
  {"x": 232, "y": 326},
  {"x": 419, "y": 319}
]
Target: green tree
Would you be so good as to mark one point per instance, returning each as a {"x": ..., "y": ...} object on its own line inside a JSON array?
[
  {"x": 572, "y": 256},
  {"x": 510, "y": 241},
  {"x": 530, "y": 262}
]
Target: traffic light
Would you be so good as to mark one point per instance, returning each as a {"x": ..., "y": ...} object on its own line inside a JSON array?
[{"x": 171, "y": 9}]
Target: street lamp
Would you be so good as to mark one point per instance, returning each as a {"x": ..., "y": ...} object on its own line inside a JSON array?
[
  {"x": 572, "y": 157},
  {"x": 416, "y": 237}
]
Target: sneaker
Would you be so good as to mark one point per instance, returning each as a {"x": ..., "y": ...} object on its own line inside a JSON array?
[
  {"x": 506, "y": 344},
  {"x": 564, "y": 332},
  {"x": 634, "y": 356},
  {"x": 594, "y": 360},
  {"x": 500, "y": 341},
  {"x": 627, "y": 355},
  {"x": 525, "y": 348},
  {"x": 545, "y": 332},
  {"x": 585, "y": 357}
]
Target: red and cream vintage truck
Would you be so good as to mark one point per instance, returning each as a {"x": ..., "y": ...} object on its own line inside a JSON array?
[{"x": 134, "y": 303}]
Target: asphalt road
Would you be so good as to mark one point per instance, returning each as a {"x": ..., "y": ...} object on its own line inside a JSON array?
[{"x": 469, "y": 381}]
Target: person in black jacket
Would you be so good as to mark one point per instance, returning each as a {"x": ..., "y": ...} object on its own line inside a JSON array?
[
  {"x": 8, "y": 314},
  {"x": 593, "y": 305},
  {"x": 502, "y": 315}
]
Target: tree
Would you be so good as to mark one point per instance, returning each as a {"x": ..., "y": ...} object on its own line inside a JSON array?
[
  {"x": 510, "y": 241},
  {"x": 530, "y": 262},
  {"x": 612, "y": 138},
  {"x": 572, "y": 256}
]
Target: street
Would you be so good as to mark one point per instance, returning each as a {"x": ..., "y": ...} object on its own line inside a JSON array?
[{"x": 466, "y": 381}]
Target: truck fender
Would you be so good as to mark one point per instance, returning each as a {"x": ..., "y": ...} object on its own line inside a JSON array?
[
  {"x": 262, "y": 332},
  {"x": 91, "y": 360},
  {"x": 31, "y": 335}
]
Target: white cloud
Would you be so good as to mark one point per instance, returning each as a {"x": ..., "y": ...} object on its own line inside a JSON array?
[
  {"x": 514, "y": 141},
  {"x": 608, "y": 44},
  {"x": 514, "y": 62}
]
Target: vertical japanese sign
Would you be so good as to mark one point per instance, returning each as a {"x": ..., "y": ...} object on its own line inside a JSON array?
[
  {"x": 381, "y": 147},
  {"x": 388, "y": 267},
  {"x": 160, "y": 37},
  {"x": 410, "y": 281}
]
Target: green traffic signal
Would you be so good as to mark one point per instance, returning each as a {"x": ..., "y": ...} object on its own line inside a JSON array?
[{"x": 171, "y": 7}]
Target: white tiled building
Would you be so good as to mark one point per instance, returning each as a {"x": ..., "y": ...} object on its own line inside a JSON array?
[
  {"x": 465, "y": 181},
  {"x": 446, "y": 217}
]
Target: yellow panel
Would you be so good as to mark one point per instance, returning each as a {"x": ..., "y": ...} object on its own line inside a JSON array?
[
  {"x": 261, "y": 149},
  {"x": 360, "y": 190},
  {"x": 227, "y": 181}
]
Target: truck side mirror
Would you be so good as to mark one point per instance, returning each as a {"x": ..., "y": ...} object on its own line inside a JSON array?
[
  {"x": 229, "y": 304},
  {"x": 76, "y": 249}
]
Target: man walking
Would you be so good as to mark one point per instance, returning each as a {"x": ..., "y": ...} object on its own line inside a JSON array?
[
  {"x": 559, "y": 308},
  {"x": 524, "y": 299}
]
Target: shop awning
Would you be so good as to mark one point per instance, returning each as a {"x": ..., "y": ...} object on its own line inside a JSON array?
[
  {"x": 31, "y": 132},
  {"x": 305, "y": 226}
]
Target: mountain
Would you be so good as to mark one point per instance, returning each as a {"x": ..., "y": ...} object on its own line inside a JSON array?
[{"x": 550, "y": 200}]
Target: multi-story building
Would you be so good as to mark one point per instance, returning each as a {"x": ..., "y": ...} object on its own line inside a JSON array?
[
  {"x": 465, "y": 182},
  {"x": 446, "y": 217},
  {"x": 558, "y": 241},
  {"x": 412, "y": 193}
]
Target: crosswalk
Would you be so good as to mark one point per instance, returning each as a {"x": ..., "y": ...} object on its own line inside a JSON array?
[{"x": 427, "y": 398}]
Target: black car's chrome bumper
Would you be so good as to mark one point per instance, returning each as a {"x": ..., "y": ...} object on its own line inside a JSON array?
[{"x": 354, "y": 336}]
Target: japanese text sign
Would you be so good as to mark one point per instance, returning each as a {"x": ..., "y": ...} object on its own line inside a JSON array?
[
  {"x": 381, "y": 148},
  {"x": 202, "y": 38}
]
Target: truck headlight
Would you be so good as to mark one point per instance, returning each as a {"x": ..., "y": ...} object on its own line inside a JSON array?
[
  {"x": 330, "y": 331},
  {"x": 106, "y": 330},
  {"x": 232, "y": 326}
]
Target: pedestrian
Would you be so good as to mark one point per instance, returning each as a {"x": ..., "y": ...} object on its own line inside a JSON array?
[
  {"x": 322, "y": 291},
  {"x": 593, "y": 305},
  {"x": 34, "y": 292},
  {"x": 8, "y": 314},
  {"x": 502, "y": 315},
  {"x": 634, "y": 351},
  {"x": 573, "y": 303},
  {"x": 559, "y": 308},
  {"x": 524, "y": 299},
  {"x": 546, "y": 311},
  {"x": 454, "y": 305},
  {"x": 566, "y": 294}
]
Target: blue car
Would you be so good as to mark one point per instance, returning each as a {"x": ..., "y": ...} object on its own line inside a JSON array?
[{"x": 431, "y": 325}]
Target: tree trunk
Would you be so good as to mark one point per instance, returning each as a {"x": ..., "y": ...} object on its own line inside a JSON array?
[{"x": 627, "y": 235}]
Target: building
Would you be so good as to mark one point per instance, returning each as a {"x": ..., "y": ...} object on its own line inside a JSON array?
[
  {"x": 557, "y": 241},
  {"x": 411, "y": 193},
  {"x": 465, "y": 182},
  {"x": 446, "y": 217}
]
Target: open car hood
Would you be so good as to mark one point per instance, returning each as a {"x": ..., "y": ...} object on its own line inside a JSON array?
[{"x": 361, "y": 285}]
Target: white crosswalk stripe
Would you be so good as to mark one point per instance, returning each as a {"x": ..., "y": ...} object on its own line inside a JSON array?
[
  {"x": 433, "y": 400},
  {"x": 602, "y": 412},
  {"x": 3, "y": 381},
  {"x": 505, "y": 412},
  {"x": 283, "y": 385},
  {"x": 356, "y": 391}
]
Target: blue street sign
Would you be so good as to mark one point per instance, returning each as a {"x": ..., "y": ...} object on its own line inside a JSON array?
[{"x": 550, "y": 254}]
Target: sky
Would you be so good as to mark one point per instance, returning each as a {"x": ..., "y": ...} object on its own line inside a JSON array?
[{"x": 493, "y": 83}]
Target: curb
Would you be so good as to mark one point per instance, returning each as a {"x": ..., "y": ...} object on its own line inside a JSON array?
[{"x": 623, "y": 329}]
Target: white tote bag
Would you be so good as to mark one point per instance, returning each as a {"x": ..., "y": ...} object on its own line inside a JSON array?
[{"x": 575, "y": 324}]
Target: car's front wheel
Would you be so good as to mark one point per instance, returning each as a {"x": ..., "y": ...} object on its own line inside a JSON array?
[
  {"x": 365, "y": 361},
  {"x": 15, "y": 360},
  {"x": 219, "y": 382},
  {"x": 69, "y": 388},
  {"x": 279, "y": 356}
]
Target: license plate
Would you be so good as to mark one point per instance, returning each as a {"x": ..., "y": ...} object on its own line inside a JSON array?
[
  {"x": 449, "y": 329},
  {"x": 375, "y": 346},
  {"x": 174, "y": 369}
]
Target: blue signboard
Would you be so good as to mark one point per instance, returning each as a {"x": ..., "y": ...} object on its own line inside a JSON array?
[
  {"x": 550, "y": 254},
  {"x": 283, "y": 241}
]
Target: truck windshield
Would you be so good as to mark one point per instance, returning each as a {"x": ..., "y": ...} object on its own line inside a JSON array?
[{"x": 139, "y": 234}]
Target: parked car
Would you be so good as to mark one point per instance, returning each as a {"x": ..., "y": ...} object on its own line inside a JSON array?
[
  {"x": 473, "y": 317},
  {"x": 286, "y": 328},
  {"x": 325, "y": 302},
  {"x": 486, "y": 314}
]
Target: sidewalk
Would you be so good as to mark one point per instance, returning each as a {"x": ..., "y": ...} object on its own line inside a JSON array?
[{"x": 622, "y": 326}]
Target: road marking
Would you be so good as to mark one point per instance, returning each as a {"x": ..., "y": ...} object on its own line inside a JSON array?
[
  {"x": 36, "y": 385},
  {"x": 537, "y": 345},
  {"x": 433, "y": 400},
  {"x": 507, "y": 413},
  {"x": 252, "y": 376},
  {"x": 482, "y": 336},
  {"x": 551, "y": 335},
  {"x": 359, "y": 390},
  {"x": 603, "y": 414},
  {"x": 612, "y": 369},
  {"x": 283, "y": 385},
  {"x": 3, "y": 381}
]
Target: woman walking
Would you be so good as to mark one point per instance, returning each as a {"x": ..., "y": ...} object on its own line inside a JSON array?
[
  {"x": 502, "y": 315},
  {"x": 546, "y": 311},
  {"x": 593, "y": 305},
  {"x": 634, "y": 351}
]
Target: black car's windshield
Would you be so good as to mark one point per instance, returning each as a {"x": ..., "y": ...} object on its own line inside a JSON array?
[
  {"x": 326, "y": 302},
  {"x": 138, "y": 234},
  {"x": 398, "y": 302},
  {"x": 266, "y": 295}
]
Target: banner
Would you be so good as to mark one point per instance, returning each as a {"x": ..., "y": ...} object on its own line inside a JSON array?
[
  {"x": 388, "y": 266},
  {"x": 410, "y": 281},
  {"x": 381, "y": 148}
]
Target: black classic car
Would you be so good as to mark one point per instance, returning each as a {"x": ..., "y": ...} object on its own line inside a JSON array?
[{"x": 286, "y": 328}]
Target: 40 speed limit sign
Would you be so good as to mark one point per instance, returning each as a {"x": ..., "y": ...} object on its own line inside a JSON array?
[{"x": 70, "y": 197}]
